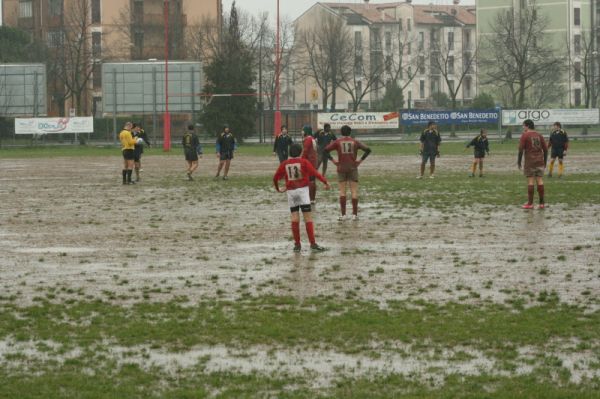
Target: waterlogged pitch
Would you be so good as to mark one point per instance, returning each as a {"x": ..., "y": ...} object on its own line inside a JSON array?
[{"x": 171, "y": 288}]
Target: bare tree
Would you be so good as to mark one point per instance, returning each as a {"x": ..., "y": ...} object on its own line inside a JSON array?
[
  {"x": 324, "y": 51},
  {"x": 583, "y": 57},
  {"x": 71, "y": 63},
  {"x": 445, "y": 63},
  {"x": 516, "y": 57}
]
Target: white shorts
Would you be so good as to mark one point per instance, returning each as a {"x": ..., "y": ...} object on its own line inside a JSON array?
[{"x": 298, "y": 197}]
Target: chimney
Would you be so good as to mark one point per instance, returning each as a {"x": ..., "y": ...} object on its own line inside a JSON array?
[{"x": 456, "y": 2}]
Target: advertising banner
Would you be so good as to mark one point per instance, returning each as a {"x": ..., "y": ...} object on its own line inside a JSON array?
[
  {"x": 472, "y": 116},
  {"x": 54, "y": 125},
  {"x": 515, "y": 117},
  {"x": 359, "y": 120}
]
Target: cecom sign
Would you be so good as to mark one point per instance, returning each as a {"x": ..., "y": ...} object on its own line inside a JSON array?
[{"x": 359, "y": 120}]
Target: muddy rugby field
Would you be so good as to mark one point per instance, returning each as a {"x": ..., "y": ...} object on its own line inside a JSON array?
[{"x": 86, "y": 256}]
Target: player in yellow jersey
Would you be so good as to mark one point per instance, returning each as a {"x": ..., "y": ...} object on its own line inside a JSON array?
[{"x": 127, "y": 147}]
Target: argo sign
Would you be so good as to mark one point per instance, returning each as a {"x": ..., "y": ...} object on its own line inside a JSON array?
[{"x": 515, "y": 117}]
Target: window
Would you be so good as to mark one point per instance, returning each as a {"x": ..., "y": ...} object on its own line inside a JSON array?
[
  {"x": 577, "y": 44},
  {"x": 467, "y": 88},
  {"x": 421, "y": 89},
  {"x": 408, "y": 24},
  {"x": 96, "y": 45},
  {"x": 96, "y": 14},
  {"x": 400, "y": 24},
  {"x": 358, "y": 42},
  {"x": 435, "y": 85},
  {"x": 451, "y": 86},
  {"x": 138, "y": 41},
  {"x": 55, "y": 38},
  {"x": 577, "y": 16},
  {"x": 467, "y": 38},
  {"x": 55, "y": 8},
  {"x": 25, "y": 9},
  {"x": 359, "y": 87},
  {"x": 434, "y": 38},
  {"x": 138, "y": 9},
  {"x": 408, "y": 49},
  {"x": 388, "y": 42},
  {"x": 422, "y": 64},
  {"x": 577, "y": 97},
  {"x": 358, "y": 65},
  {"x": 577, "y": 74},
  {"x": 467, "y": 62},
  {"x": 523, "y": 3},
  {"x": 388, "y": 63},
  {"x": 421, "y": 41},
  {"x": 451, "y": 64},
  {"x": 97, "y": 75},
  {"x": 450, "y": 40}
]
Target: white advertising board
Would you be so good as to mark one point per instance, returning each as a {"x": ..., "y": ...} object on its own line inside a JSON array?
[
  {"x": 515, "y": 117},
  {"x": 54, "y": 125},
  {"x": 360, "y": 120}
]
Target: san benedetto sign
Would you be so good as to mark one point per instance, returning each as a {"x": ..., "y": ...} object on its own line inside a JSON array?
[
  {"x": 360, "y": 120},
  {"x": 515, "y": 117}
]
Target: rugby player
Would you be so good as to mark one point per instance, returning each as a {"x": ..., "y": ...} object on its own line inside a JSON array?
[
  {"x": 191, "y": 150},
  {"x": 559, "y": 142},
  {"x": 429, "y": 148},
  {"x": 480, "y": 146},
  {"x": 282, "y": 144},
  {"x": 138, "y": 133},
  {"x": 347, "y": 167},
  {"x": 533, "y": 146},
  {"x": 225, "y": 148},
  {"x": 324, "y": 137},
  {"x": 297, "y": 173},
  {"x": 309, "y": 152},
  {"x": 127, "y": 148}
]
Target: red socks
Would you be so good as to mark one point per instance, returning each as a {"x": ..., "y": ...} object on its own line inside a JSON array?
[
  {"x": 310, "y": 231},
  {"x": 343, "y": 205},
  {"x": 355, "y": 206},
  {"x": 530, "y": 194},
  {"x": 540, "y": 188},
  {"x": 296, "y": 232}
]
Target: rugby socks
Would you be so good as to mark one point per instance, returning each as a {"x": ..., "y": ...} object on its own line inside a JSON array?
[
  {"x": 355, "y": 206},
  {"x": 137, "y": 173},
  {"x": 296, "y": 232},
  {"x": 474, "y": 167},
  {"x": 310, "y": 231},
  {"x": 312, "y": 190},
  {"x": 561, "y": 169},
  {"x": 124, "y": 176},
  {"x": 129, "y": 171},
  {"x": 343, "y": 205},
  {"x": 540, "y": 188},
  {"x": 551, "y": 167},
  {"x": 530, "y": 194}
]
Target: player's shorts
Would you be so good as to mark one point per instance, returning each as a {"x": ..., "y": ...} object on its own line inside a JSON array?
[
  {"x": 558, "y": 153},
  {"x": 298, "y": 197},
  {"x": 137, "y": 153},
  {"x": 323, "y": 156},
  {"x": 479, "y": 155},
  {"x": 226, "y": 155},
  {"x": 429, "y": 156},
  {"x": 128, "y": 155},
  {"x": 534, "y": 171},
  {"x": 191, "y": 155},
  {"x": 283, "y": 155},
  {"x": 351, "y": 175}
]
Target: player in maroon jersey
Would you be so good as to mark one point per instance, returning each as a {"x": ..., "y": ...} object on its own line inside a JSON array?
[
  {"x": 297, "y": 173},
  {"x": 347, "y": 167},
  {"x": 534, "y": 147},
  {"x": 309, "y": 152}
]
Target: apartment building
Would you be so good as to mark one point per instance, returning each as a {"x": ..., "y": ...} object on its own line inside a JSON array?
[
  {"x": 572, "y": 30},
  {"x": 117, "y": 30},
  {"x": 425, "y": 49}
]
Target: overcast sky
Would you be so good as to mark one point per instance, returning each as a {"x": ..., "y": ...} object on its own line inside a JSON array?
[{"x": 294, "y": 8}]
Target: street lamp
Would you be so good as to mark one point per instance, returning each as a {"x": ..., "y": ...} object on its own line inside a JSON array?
[{"x": 167, "y": 116}]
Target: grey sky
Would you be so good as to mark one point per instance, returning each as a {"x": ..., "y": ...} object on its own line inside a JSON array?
[{"x": 294, "y": 8}]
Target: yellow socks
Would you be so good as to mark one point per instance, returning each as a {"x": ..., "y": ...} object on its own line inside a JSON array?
[
  {"x": 551, "y": 167},
  {"x": 561, "y": 168}
]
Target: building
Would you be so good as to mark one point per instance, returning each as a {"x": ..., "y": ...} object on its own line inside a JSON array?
[
  {"x": 426, "y": 49},
  {"x": 573, "y": 33},
  {"x": 115, "y": 30}
]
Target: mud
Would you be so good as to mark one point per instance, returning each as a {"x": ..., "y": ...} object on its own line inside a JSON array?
[{"x": 68, "y": 226}]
